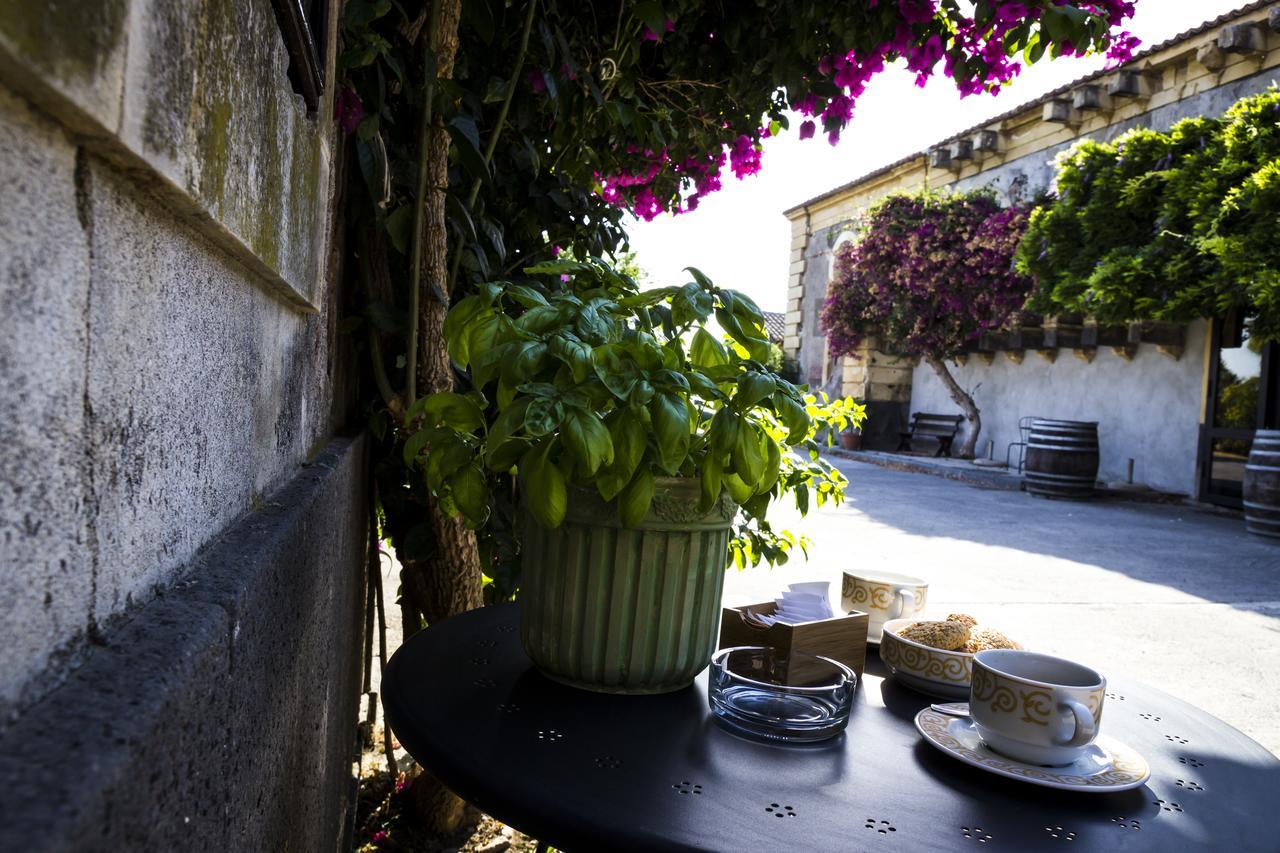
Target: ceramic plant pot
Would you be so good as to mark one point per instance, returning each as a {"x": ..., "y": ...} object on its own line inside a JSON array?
[
  {"x": 625, "y": 610},
  {"x": 851, "y": 440}
]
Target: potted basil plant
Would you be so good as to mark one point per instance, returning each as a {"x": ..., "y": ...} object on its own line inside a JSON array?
[{"x": 647, "y": 452}]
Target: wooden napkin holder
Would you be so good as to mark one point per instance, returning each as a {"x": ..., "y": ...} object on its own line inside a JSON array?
[{"x": 842, "y": 638}]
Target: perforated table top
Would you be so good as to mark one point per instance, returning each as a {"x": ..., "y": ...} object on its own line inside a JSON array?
[{"x": 584, "y": 771}]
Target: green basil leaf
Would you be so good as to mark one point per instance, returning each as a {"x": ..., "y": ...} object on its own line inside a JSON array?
[
  {"x": 641, "y": 393},
  {"x": 456, "y": 324},
  {"x": 712, "y": 485},
  {"x": 614, "y": 369},
  {"x": 723, "y": 432},
  {"x": 542, "y": 416},
  {"x": 702, "y": 386},
  {"x": 752, "y": 388},
  {"x": 706, "y": 351},
  {"x": 501, "y": 457},
  {"x": 737, "y": 488},
  {"x": 670, "y": 416},
  {"x": 626, "y": 431},
  {"x": 545, "y": 496},
  {"x": 748, "y": 460},
  {"x": 453, "y": 410},
  {"x": 772, "y": 465},
  {"x": 414, "y": 444},
  {"x": 587, "y": 439},
  {"x": 793, "y": 417},
  {"x": 525, "y": 295},
  {"x": 635, "y": 499},
  {"x": 540, "y": 319},
  {"x": 445, "y": 460},
  {"x": 522, "y": 361}
]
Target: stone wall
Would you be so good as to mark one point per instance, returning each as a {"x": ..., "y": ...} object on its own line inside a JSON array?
[
  {"x": 1147, "y": 409},
  {"x": 169, "y": 361}
]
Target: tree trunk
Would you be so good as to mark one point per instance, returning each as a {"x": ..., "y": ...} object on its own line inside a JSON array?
[
  {"x": 452, "y": 583},
  {"x": 449, "y": 582},
  {"x": 964, "y": 401}
]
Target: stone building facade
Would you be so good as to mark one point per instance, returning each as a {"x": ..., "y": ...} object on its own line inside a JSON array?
[
  {"x": 1151, "y": 392},
  {"x": 182, "y": 524}
]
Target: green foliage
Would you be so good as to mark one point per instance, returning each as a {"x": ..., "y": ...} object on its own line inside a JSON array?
[
  {"x": 583, "y": 380},
  {"x": 1165, "y": 226},
  {"x": 549, "y": 100}
]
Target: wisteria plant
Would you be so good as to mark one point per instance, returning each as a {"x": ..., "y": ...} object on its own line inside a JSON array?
[{"x": 928, "y": 274}]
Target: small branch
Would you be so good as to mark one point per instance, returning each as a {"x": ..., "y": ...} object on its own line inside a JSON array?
[{"x": 492, "y": 145}]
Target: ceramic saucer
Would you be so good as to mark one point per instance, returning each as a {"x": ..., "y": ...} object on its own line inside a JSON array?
[{"x": 1106, "y": 766}]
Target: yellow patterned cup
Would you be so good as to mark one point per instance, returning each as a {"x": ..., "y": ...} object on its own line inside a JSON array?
[
  {"x": 883, "y": 596},
  {"x": 1035, "y": 708}
]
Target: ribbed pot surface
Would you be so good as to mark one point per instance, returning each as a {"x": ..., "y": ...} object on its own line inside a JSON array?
[
  {"x": 625, "y": 610},
  {"x": 1262, "y": 484},
  {"x": 1062, "y": 459}
]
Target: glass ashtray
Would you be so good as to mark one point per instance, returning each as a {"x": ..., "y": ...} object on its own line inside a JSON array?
[{"x": 779, "y": 695}]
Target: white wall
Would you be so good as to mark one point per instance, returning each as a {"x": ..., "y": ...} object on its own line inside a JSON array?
[{"x": 1147, "y": 409}]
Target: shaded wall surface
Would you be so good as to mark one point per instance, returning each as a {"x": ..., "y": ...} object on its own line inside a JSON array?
[
  {"x": 1147, "y": 409},
  {"x": 168, "y": 372}
]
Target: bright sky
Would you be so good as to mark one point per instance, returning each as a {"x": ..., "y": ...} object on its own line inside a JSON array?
[{"x": 739, "y": 236}]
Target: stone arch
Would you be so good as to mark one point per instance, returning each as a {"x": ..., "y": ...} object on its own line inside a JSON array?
[{"x": 847, "y": 236}]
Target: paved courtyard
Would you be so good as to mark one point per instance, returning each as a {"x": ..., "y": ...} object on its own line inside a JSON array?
[{"x": 1179, "y": 598}]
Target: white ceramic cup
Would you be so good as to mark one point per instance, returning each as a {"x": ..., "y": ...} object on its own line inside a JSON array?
[
  {"x": 1035, "y": 708},
  {"x": 883, "y": 596}
]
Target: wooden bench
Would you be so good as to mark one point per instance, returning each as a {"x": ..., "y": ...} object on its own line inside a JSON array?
[{"x": 941, "y": 428}]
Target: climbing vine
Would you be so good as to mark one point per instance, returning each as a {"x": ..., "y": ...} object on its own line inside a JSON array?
[{"x": 1166, "y": 226}]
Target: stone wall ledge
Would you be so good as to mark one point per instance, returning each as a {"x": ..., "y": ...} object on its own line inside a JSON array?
[{"x": 221, "y": 715}]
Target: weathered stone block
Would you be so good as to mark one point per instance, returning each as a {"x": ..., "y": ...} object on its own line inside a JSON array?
[
  {"x": 204, "y": 391},
  {"x": 69, "y": 57},
  {"x": 45, "y": 559},
  {"x": 890, "y": 375}
]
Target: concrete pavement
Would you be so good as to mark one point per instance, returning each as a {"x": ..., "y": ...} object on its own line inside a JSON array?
[{"x": 1176, "y": 597}]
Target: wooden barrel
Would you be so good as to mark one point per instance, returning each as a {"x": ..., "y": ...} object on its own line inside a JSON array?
[
  {"x": 1062, "y": 459},
  {"x": 1262, "y": 484}
]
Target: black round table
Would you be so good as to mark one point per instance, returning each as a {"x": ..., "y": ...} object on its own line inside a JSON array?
[{"x": 585, "y": 771}]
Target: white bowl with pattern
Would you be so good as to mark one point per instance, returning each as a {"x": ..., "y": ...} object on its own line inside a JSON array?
[{"x": 932, "y": 671}]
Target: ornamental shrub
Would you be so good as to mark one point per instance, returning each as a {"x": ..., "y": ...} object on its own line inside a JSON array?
[{"x": 929, "y": 274}]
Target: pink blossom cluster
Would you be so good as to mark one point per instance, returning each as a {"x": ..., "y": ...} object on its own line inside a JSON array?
[
  {"x": 930, "y": 274},
  {"x": 973, "y": 54}
]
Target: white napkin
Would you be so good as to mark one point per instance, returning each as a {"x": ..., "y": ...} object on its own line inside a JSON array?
[{"x": 801, "y": 602}]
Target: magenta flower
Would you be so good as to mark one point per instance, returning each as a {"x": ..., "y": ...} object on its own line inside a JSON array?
[
  {"x": 807, "y": 129},
  {"x": 537, "y": 82},
  {"x": 667, "y": 24},
  {"x": 350, "y": 109}
]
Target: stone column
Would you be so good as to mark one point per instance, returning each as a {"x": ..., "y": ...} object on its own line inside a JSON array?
[
  {"x": 883, "y": 383},
  {"x": 795, "y": 331}
]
